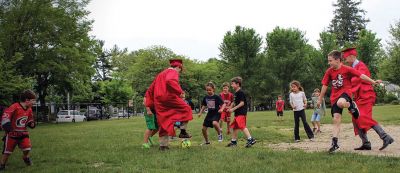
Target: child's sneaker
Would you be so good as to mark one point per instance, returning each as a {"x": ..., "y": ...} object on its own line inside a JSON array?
[
  {"x": 250, "y": 142},
  {"x": 334, "y": 148},
  {"x": 354, "y": 109},
  {"x": 297, "y": 140},
  {"x": 184, "y": 134},
  {"x": 146, "y": 146},
  {"x": 220, "y": 138},
  {"x": 27, "y": 161},
  {"x": 312, "y": 139},
  {"x": 205, "y": 144},
  {"x": 231, "y": 145}
]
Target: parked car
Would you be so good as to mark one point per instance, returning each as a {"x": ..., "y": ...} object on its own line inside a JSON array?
[
  {"x": 70, "y": 116},
  {"x": 93, "y": 114}
]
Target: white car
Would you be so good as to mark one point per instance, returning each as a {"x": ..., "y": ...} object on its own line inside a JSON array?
[{"x": 70, "y": 116}]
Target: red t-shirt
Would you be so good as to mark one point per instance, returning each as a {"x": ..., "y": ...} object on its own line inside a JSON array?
[
  {"x": 18, "y": 116},
  {"x": 279, "y": 105},
  {"x": 227, "y": 98},
  {"x": 340, "y": 80}
]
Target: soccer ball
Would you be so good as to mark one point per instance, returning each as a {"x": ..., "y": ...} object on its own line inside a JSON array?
[{"x": 186, "y": 143}]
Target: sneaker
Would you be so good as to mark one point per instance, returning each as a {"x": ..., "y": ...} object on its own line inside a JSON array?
[
  {"x": 28, "y": 161},
  {"x": 146, "y": 146},
  {"x": 334, "y": 148},
  {"x": 250, "y": 142},
  {"x": 312, "y": 139},
  {"x": 231, "y": 145},
  {"x": 364, "y": 146},
  {"x": 297, "y": 140},
  {"x": 354, "y": 110},
  {"x": 184, "y": 135},
  {"x": 386, "y": 142},
  {"x": 205, "y": 144},
  {"x": 164, "y": 148},
  {"x": 220, "y": 138}
]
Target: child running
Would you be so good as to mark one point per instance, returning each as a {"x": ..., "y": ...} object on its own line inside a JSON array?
[
  {"x": 152, "y": 127},
  {"x": 318, "y": 111},
  {"x": 279, "y": 105},
  {"x": 215, "y": 106},
  {"x": 227, "y": 97},
  {"x": 339, "y": 76},
  {"x": 240, "y": 109},
  {"x": 298, "y": 101}
]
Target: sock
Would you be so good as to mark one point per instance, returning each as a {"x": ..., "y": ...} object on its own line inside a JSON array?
[{"x": 335, "y": 140}]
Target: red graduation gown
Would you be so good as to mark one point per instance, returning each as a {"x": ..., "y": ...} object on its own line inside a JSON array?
[
  {"x": 364, "y": 96},
  {"x": 164, "y": 95}
]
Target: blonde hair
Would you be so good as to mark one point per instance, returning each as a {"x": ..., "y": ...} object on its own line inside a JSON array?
[
  {"x": 225, "y": 84},
  {"x": 210, "y": 84}
]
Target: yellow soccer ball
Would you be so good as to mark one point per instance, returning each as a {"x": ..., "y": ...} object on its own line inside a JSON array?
[{"x": 186, "y": 143}]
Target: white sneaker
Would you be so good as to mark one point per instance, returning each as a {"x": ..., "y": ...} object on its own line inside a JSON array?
[{"x": 220, "y": 138}]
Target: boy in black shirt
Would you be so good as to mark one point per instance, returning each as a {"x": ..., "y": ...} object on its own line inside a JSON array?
[{"x": 240, "y": 109}]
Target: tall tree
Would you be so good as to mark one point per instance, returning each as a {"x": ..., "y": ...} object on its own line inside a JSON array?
[
  {"x": 239, "y": 50},
  {"x": 369, "y": 50},
  {"x": 390, "y": 68},
  {"x": 287, "y": 55},
  {"x": 348, "y": 21},
  {"x": 52, "y": 37}
]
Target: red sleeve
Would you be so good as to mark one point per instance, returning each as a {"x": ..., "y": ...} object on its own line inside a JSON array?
[
  {"x": 353, "y": 71},
  {"x": 326, "y": 79},
  {"x": 7, "y": 115},
  {"x": 150, "y": 96},
  {"x": 172, "y": 78},
  {"x": 364, "y": 70}
]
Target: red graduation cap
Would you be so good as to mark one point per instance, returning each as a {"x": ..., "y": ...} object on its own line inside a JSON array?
[
  {"x": 176, "y": 63},
  {"x": 349, "y": 51}
]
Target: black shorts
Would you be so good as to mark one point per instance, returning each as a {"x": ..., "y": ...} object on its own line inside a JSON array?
[
  {"x": 279, "y": 113},
  {"x": 208, "y": 121},
  {"x": 336, "y": 108}
]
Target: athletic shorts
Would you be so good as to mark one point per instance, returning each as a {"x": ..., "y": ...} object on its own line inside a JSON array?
[
  {"x": 336, "y": 108},
  {"x": 23, "y": 142},
  {"x": 151, "y": 121},
  {"x": 239, "y": 122},
  {"x": 279, "y": 113},
  {"x": 209, "y": 120},
  {"x": 226, "y": 116},
  {"x": 315, "y": 117}
]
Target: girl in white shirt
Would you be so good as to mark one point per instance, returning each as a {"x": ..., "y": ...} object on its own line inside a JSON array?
[{"x": 298, "y": 101}]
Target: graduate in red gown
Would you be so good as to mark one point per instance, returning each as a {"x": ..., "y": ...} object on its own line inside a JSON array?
[
  {"x": 165, "y": 96},
  {"x": 364, "y": 96}
]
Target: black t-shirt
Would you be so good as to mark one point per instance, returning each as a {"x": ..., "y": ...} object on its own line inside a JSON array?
[
  {"x": 239, "y": 96},
  {"x": 213, "y": 104}
]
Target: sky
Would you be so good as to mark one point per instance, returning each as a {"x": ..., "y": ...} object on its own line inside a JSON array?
[{"x": 195, "y": 28}]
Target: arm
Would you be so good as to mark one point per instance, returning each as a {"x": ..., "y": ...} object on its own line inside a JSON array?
[
  {"x": 304, "y": 100},
  {"x": 321, "y": 96},
  {"x": 6, "y": 119},
  {"x": 201, "y": 111},
  {"x": 237, "y": 106},
  {"x": 291, "y": 102},
  {"x": 366, "y": 78},
  {"x": 31, "y": 122}
]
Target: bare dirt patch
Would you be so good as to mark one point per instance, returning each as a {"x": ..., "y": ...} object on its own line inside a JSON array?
[{"x": 347, "y": 141}]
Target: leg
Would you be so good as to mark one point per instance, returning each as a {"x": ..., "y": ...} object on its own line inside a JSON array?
[
  {"x": 26, "y": 158},
  {"x": 147, "y": 134},
  {"x": 387, "y": 139},
  {"x": 4, "y": 159},
  {"x": 307, "y": 128},
  {"x": 205, "y": 134},
  {"x": 296, "y": 126}
]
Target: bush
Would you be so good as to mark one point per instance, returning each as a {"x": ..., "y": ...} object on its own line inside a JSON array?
[
  {"x": 395, "y": 102},
  {"x": 390, "y": 97}
]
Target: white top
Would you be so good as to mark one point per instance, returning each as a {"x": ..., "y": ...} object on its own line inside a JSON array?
[{"x": 297, "y": 99}]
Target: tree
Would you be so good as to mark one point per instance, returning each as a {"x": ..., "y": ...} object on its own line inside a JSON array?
[
  {"x": 287, "y": 55},
  {"x": 369, "y": 50},
  {"x": 239, "y": 51},
  {"x": 348, "y": 21},
  {"x": 390, "y": 68},
  {"x": 52, "y": 38}
]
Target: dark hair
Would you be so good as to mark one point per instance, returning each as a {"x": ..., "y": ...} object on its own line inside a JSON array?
[
  {"x": 225, "y": 84},
  {"x": 237, "y": 80},
  {"x": 317, "y": 90},
  {"x": 297, "y": 83},
  {"x": 279, "y": 96},
  {"x": 210, "y": 84},
  {"x": 27, "y": 95},
  {"x": 335, "y": 54}
]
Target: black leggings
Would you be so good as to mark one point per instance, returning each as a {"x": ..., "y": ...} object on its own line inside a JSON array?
[{"x": 297, "y": 115}]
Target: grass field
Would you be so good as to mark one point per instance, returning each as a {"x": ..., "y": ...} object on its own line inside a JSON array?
[{"x": 115, "y": 146}]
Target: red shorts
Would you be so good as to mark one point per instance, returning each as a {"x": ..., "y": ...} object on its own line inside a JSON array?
[
  {"x": 226, "y": 116},
  {"x": 239, "y": 122},
  {"x": 24, "y": 143}
]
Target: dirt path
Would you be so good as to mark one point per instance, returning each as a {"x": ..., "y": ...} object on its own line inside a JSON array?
[{"x": 347, "y": 141}]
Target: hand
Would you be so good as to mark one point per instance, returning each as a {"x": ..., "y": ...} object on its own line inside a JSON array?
[
  {"x": 199, "y": 115},
  {"x": 231, "y": 110},
  {"x": 149, "y": 113},
  {"x": 377, "y": 82},
  {"x": 31, "y": 124},
  {"x": 305, "y": 106},
  {"x": 319, "y": 103},
  {"x": 220, "y": 111}
]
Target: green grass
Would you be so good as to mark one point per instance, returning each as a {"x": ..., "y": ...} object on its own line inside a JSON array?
[{"x": 115, "y": 146}]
